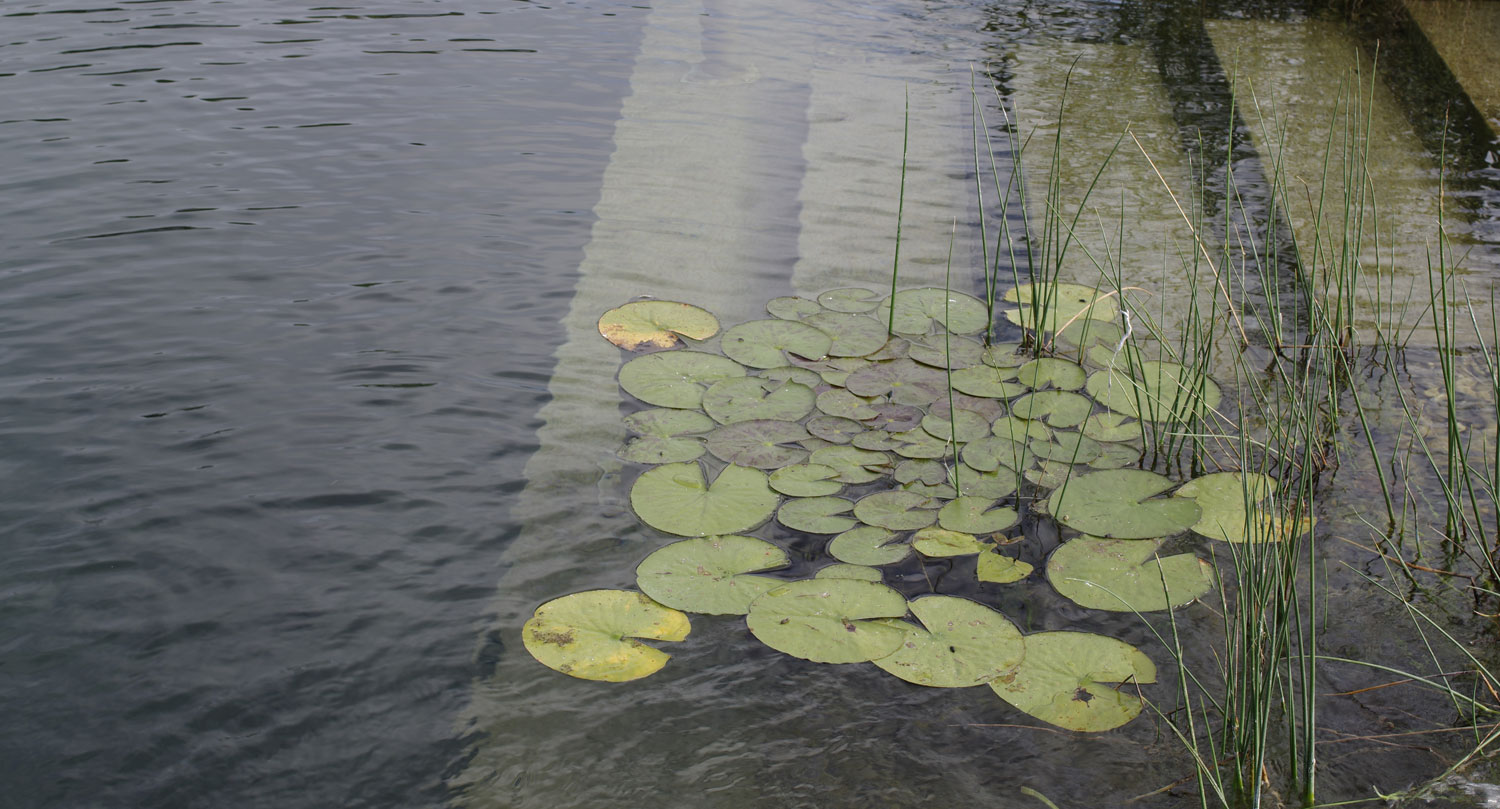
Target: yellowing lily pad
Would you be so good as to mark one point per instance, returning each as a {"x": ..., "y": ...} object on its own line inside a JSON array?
[
  {"x": 761, "y": 343},
  {"x": 1124, "y": 575},
  {"x": 591, "y": 635},
  {"x": 962, "y": 644},
  {"x": 676, "y": 378},
  {"x": 1117, "y": 504},
  {"x": 869, "y": 545},
  {"x": 1049, "y": 307},
  {"x": 710, "y": 574},
  {"x": 828, "y": 620},
  {"x": 1066, "y": 679},
  {"x": 674, "y": 498},
  {"x": 656, "y": 323},
  {"x": 997, "y": 568}
]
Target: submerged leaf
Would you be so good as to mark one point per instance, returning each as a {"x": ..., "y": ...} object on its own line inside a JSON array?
[
  {"x": 962, "y": 644},
  {"x": 590, "y": 635},
  {"x": 709, "y": 574},
  {"x": 1124, "y": 575},
  {"x": 674, "y": 498},
  {"x": 827, "y": 620},
  {"x": 1066, "y": 678},
  {"x": 656, "y": 323}
]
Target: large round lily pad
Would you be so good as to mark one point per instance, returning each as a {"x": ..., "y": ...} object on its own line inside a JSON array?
[
  {"x": 710, "y": 574},
  {"x": 842, "y": 403},
  {"x": 1125, "y": 575},
  {"x": 1154, "y": 391},
  {"x": 942, "y": 543},
  {"x": 806, "y": 480},
  {"x": 849, "y": 299},
  {"x": 747, "y": 397},
  {"x": 676, "y": 378},
  {"x": 869, "y": 545},
  {"x": 828, "y": 620},
  {"x": 662, "y": 432},
  {"x": 904, "y": 381},
  {"x": 1058, "y": 408},
  {"x": 1117, "y": 504},
  {"x": 897, "y": 510},
  {"x": 760, "y": 343},
  {"x": 988, "y": 381},
  {"x": 675, "y": 498},
  {"x": 962, "y": 644},
  {"x": 1066, "y": 679},
  {"x": 591, "y": 635},
  {"x": 946, "y": 351},
  {"x": 853, "y": 465},
  {"x": 656, "y": 323},
  {"x": 856, "y": 572},
  {"x": 763, "y": 443},
  {"x": 919, "y": 311},
  {"x": 1223, "y": 495},
  {"x": 816, "y": 515},
  {"x": 792, "y": 308},
  {"x": 976, "y": 515},
  {"x": 853, "y": 335},
  {"x": 1051, "y": 306}
]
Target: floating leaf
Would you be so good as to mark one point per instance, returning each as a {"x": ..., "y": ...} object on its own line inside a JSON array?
[
  {"x": 709, "y": 574},
  {"x": 590, "y": 635},
  {"x": 660, "y": 440},
  {"x": 834, "y": 429},
  {"x": 849, "y": 299},
  {"x": 1116, "y": 456},
  {"x": 1156, "y": 391},
  {"x": 1068, "y": 448},
  {"x": 988, "y": 381},
  {"x": 955, "y": 353},
  {"x": 928, "y": 471},
  {"x": 1114, "y": 504},
  {"x": 827, "y": 620},
  {"x": 971, "y": 426},
  {"x": 792, "y": 308},
  {"x": 674, "y": 498},
  {"x": 1222, "y": 497},
  {"x": 944, "y": 542},
  {"x": 1094, "y": 333},
  {"x": 896, "y": 510},
  {"x": 763, "y": 443},
  {"x": 791, "y": 373},
  {"x": 904, "y": 381},
  {"x": 963, "y": 644},
  {"x": 895, "y": 418},
  {"x": 997, "y": 568},
  {"x": 853, "y": 335},
  {"x": 991, "y": 485},
  {"x": 806, "y": 480},
  {"x": 760, "y": 343},
  {"x": 1046, "y": 372},
  {"x": 816, "y": 515},
  {"x": 1010, "y": 356},
  {"x": 1111, "y": 427},
  {"x": 676, "y": 378},
  {"x": 1050, "y": 474},
  {"x": 1065, "y": 680},
  {"x": 1019, "y": 429},
  {"x": 919, "y": 444},
  {"x": 996, "y": 454},
  {"x": 974, "y": 515},
  {"x": 842, "y": 403},
  {"x": 835, "y": 371},
  {"x": 877, "y": 440},
  {"x": 853, "y": 465},
  {"x": 856, "y": 572},
  {"x": 1057, "y": 304},
  {"x": 656, "y": 323},
  {"x": 1058, "y": 408},
  {"x": 1124, "y": 575},
  {"x": 748, "y": 398},
  {"x": 918, "y": 311},
  {"x": 869, "y": 545},
  {"x": 991, "y": 409}
]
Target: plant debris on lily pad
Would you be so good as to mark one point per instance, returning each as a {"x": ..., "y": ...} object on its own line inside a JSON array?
[
  {"x": 591, "y": 635},
  {"x": 960, "y": 643},
  {"x": 656, "y": 323},
  {"x": 1117, "y": 504},
  {"x": 710, "y": 574},
  {"x": 1125, "y": 575},
  {"x": 675, "y": 498},
  {"x": 828, "y": 620},
  {"x": 1068, "y": 679}
]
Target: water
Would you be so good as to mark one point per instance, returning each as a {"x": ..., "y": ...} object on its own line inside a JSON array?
[{"x": 298, "y": 366}]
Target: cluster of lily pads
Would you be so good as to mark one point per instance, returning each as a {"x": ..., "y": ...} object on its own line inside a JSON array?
[{"x": 883, "y": 423}]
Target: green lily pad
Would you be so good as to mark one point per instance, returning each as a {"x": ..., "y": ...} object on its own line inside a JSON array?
[
  {"x": 988, "y": 381},
  {"x": 853, "y": 335},
  {"x": 749, "y": 398},
  {"x": 877, "y": 440},
  {"x": 1086, "y": 331},
  {"x": 926, "y": 470},
  {"x": 1019, "y": 429},
  {"x": 996, "y": 454},
  {"x": 1051, "y": 474},
  {"x": 817, "y": 515},
  {"x": 963, "y": 644},
  {"x": 1058, "y": 304},
  {"x": 970, "y": 426},
  {"x": 842, "y": 403},
  {"x": 919, "y": 444},
  {"x": 1065, "y": 680},
  {"x": 1116, "y": 456},
  {"x": 1124, "y": 575},
  {"x": 828, "y": 620},
  {"x": 591, "y": 635},
  {"x": 956, "y": 353},
  {"x": 869, "y": 545},
  {"x": 853, "y": 465},
  {"x": 834, "y": 429},
  {"x": 997, "y": 568},
  {"x": 761, "y": 343},
  {"x": 656, "y": 323},
  {"x": 1010, "y": 356},
  {"x": 919, "y": 311},
  {"x": 849, "y": 299},
  {"x": 835, "y": 371},
  {"x": 791, "y": 307},
  {"x": 942, "y": 491},
  {"x": 1222, "y": 497},
  {"x": 763, "y": 443},
  {"x": 895, "y": 418},
  {"x": 676, "y": 378},
  {"x": 1058, "y": 408},
  {"x": 896, "y": 510},
  {"x": 856, "y": 572},
  {"x": 710, "y": 574},
  {"x": 661, "y": 438},
  {"x": 1067, "y": 447},
  {"x": 1156, "y": 391},
  {"x": 904, "y": 381},
  {"x": 806, "y": 480},
  {"x": 1111, "y": 427},
  {"x": 974, "y": 515},
  {"x": 1047, "y": 372},
  {"x": 675, "y": 499},
  {"x": 992, "y": 485},
  {"x": 1116, "y": 504},
  {"x": 791, "y": 373},
  {"x": 943, "y": 542}
]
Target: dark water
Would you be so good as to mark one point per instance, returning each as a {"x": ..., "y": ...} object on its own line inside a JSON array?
[{"x": 281, "y": 291}]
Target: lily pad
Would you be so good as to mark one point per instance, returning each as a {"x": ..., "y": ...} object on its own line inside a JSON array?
[
  {"x": 656, "y": 323},
  {"x": 828, "y": 620},
  {"x": 761, "y": 343},
  {"x": 1019, "y": 429},
  {"x": 835, "y": 371},
  {"x": 710, "y": 574},
  {"x": 676, "y": 378},
  {"x": 850, "y": 299},
  {"x": 763, "y": 443},
  {"x": 1222, "y": 497},
  {"x": 591, "y": 635},
  {"x": 877, "y": 440},
  {"x": 842, "y": 403},
  {"x": 853, "y": 335},
  {"x": 943, "y": 542},
  {"x": 1124, "y": 575},
  {"x": 894, "y": 418},
  {"x": 791, "y": 373},
  {"x": 1067, "y": 447},
  {"x": 834, "y": 429},
  {"x": 996, "y": 454},
  {"x": 661, "y": 438},
  {"x": 1058, "y": 408},
  {"x": 919, "y": 444},
  {"x": 1057, "y": 304},
  {"x": 856, "y": 572},
  {"x": 955, "y": 353},
  {"x": 1051, "y": 474},
  {"x": 1065, "y": 680},
  {"x": 1111, "y": 427},
  {"x": 853, "y": 465},
  {"x": 970, "y": 426},
  {"x": 896, "y": 510},
  {"x": 674, "y": 498},
  {"x": 806, "y": 480},
  {"x": 997, "y": 568},
  {"x": 817, "y": 515},
  {"x": 992, "y": 485},
  {"x": 1009, "y": 356},
  {"x": 904, "y": 381},
  {"x": 1116, "y": 456},
  {"x": 1045, "y": 372},
  {"x": 749, "y": 398},
  {"x": 963, "y": 644},
  {"x": 988, "y": 381},
  {"x": 1154, "y": 391},
  {"x": 975, "y": 515},
  {"x": 919, "y": 311},
  {"x": 928, "y": 471},
  {"x": 869, "y": 545},
  {"x": 1116, "y": 504},
  {"x": 792, "y": 308}
]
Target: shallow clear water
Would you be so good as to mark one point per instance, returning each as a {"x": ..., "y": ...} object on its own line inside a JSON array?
[{"x": 299, "y": 365}]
